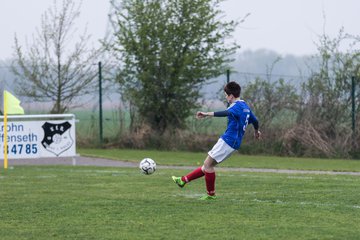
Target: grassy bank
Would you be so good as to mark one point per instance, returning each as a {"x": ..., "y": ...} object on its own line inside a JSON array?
[{"x": 237, "y": 160}]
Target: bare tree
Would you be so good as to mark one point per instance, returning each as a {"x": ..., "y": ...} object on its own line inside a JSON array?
[
  {"x": 58, "y": 66},
  {"x": 324, "y": 119}
]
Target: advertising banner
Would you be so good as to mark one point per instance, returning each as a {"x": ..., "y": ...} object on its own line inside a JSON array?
[{"x": 39, "y": 138}]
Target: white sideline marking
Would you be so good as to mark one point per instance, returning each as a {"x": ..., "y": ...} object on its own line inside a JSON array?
[
  {"x": 300, "y": 177},
  {"x": 277, "y": 201},
  {"x": 189, "y": 195},
  {"x": 46, "y": 176},
  {"x": 306, "y": 203}
]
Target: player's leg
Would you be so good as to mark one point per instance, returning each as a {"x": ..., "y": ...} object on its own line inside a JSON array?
[
  {"x": 209, "y": 164},
  {"x": 210, "y": 176},
  {"x": 219, "y": 153},
  {"x": 197, "y": 173},
  {"x": 181, "y": 181}
]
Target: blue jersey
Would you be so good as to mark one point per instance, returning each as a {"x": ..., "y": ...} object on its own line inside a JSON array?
[{"x": 239, "y": 116}]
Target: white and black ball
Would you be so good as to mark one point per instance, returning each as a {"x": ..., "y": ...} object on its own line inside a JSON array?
[{"x": 147, "y": 166}]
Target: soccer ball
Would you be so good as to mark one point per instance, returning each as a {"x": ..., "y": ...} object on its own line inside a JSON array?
[{"x": 147, "y": 166}]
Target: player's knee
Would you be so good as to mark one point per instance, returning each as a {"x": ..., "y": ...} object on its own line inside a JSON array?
[
  {"x": 208, "y": 168},
  {"x": 209, "y": 165}
]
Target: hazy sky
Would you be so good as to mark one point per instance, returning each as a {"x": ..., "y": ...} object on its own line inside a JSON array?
[{"x": 286, "y": 26}]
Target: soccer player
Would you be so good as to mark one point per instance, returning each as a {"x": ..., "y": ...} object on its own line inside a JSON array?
[{"x": 239, "y": 115}]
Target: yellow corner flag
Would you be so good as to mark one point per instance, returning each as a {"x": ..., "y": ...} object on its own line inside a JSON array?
[{"x": 11, "y": 106}]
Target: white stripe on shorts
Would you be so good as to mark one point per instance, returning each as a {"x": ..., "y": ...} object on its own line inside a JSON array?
[{"x": 221, "y": 151}]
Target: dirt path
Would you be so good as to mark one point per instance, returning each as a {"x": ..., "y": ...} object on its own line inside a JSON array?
[{"x": 87, "y": 161}]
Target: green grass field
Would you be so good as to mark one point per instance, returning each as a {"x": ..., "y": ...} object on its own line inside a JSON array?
[{"x": 65, "y": 202}]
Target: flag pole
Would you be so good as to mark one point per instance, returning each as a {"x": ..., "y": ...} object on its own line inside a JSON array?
[
  {"x": 14, "y": 108},
  {"x": 5, "y": 134}
]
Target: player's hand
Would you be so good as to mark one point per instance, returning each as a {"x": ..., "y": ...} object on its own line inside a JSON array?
[
  {"x": 200, "y": 115},
  {"x": 257, "y": 134}
]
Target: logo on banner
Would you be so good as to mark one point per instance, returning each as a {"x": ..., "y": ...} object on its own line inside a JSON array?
[{"x": 57, "y": 138}]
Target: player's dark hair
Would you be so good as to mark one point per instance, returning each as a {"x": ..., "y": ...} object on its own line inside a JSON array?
[{"x": 233, "y": 88}]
